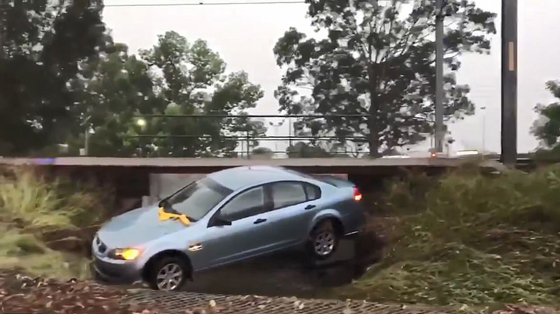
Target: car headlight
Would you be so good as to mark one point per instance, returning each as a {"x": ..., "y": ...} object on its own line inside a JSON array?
[{"x": 124, "y": 254}]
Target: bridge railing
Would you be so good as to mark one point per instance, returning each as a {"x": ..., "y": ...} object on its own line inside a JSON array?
[{"x": 291, "y": 138}]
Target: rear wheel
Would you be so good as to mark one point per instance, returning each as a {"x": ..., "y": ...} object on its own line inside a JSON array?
[
  {"x": 324, "y": 240},
  {"x": 169, "y": 274}
]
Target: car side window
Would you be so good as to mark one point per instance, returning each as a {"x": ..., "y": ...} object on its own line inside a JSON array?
[
  {"x": 247, "y": 204},
  {"x": 313, "y": 192},
  {"x": 287, "y": 194}
]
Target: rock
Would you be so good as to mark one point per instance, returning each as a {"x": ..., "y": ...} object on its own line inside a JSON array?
[
  {"x": 86, "y": 233},
  {"x": 68, "y": 244}
]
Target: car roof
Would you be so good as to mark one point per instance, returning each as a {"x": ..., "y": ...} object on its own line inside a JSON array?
[{"x": 242, "y": 177}]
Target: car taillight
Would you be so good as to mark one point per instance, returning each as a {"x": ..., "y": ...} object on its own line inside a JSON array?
[{"x": 357, "y": 195}]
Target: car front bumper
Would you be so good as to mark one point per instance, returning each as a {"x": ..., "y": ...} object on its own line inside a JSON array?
[{"x": 115, "y": 272}]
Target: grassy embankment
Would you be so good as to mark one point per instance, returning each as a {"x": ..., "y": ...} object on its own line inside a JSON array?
[
  {"x": 469, "y": 240},
  {"x": 464, "y": 239},
  {"x": 45, "y": 224}
]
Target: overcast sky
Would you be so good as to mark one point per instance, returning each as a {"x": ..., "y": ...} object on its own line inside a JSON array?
[{"x": 244, "y": 35}]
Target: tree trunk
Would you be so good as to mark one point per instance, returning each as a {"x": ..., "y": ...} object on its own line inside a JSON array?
[{"x": 373, "y": 124}]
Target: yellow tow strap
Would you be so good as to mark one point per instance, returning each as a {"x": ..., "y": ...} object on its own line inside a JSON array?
[{"x": 163, "y": 216}]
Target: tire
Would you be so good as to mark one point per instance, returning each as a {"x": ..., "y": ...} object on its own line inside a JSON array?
[
  {"x": 323, "y": 240},
  {"x": 177, "y": 270}
]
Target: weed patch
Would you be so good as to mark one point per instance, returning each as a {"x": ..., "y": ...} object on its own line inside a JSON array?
[
  {"x": 470, "y": 239},
  {"x": 38, "y": 215}
]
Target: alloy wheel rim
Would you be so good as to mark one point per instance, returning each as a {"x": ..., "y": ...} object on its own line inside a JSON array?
[
  {"x": 169, "y": 277},
  {"x": 324, "y": 243}
]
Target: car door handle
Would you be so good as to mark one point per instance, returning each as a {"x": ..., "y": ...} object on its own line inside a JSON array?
[
  {"x": 310, "y": 206},
  {"x": 258, "y": 221}
]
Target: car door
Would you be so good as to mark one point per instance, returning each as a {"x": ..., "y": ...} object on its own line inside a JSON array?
[
  {"x": 294, "y": 205},
  {"x": 249, "y": 233}
]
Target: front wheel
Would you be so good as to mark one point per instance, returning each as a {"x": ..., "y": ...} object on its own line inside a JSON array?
[
  {"x": 169, "y": 274},
  {"x": 323, "y": 240}
]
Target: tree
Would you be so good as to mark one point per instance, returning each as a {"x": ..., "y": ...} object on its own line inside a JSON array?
[
  {"x": 40, "y": 50},
  {"x": 378, "y": 61},
  {"x": 306, "y": 150},
  {"x": 114, "y": 90},
  {"x": 547, "y": 127},
  {"x": 193, "y": 82},
  {"x": 172, "y": 78},
  {"x": 262, "y": 153}
]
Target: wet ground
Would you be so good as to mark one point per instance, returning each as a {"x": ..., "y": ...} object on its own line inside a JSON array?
[
  {"x": 290, "y": 274},
  {"x": 23, "y": 294}
]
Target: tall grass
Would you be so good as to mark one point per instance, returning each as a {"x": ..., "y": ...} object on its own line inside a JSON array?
[
  {"x": 36, "y": 210},
  {"x": 27, "y": 252},
  {"x": 470, "y": 238},
  {"x": 31, "y": 200}
]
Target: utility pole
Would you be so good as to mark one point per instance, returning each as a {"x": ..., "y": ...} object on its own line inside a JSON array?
[
  {"x": 483, "y": 130},
  {"x": 509, "y": 82},
  {"x": 290, "y": 125},
  {"x": 85, "y": 151},
  {"x": 440, "y": 95},
  {"x": 276, "y": 127},
  {"x": 3, "y": 18},
  {"x": 86, "y": 142},
  {"x": 1, "y": 35}
]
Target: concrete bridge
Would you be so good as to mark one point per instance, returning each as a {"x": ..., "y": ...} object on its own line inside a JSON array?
[
  {"x": 134, "y": 178},
  {"x": 207, "y": 165},
  {"x": 149, "y": 178}
]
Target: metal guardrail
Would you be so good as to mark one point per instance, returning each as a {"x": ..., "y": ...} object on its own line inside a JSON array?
[
  {"x": 248, "y": 140},
  {"x": 289, "y": 138},
  {"x": 350, "y": 146},
  {"x": 198, "y": 116}
]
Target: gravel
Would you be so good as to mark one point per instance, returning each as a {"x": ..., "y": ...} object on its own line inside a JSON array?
[{"x": 23, "y": 294}]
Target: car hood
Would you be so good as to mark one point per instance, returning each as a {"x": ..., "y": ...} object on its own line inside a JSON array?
[{"x": 137, "y": 227}]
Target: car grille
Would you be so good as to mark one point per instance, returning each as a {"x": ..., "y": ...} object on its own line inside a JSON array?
[{"x": 101, "y": 247}]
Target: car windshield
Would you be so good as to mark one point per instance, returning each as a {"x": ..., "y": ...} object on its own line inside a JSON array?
[{"x": 198, "y": 198}]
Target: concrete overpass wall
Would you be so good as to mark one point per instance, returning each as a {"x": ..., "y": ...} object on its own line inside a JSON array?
[{"x": 143, "y": 181}]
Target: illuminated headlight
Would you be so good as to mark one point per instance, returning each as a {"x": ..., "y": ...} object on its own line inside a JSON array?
[{"x": 124, "y": 254}]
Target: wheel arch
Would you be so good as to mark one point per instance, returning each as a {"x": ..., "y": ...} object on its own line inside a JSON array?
[
  {"x": 336, "y": 221},
  {"x": 328, "y": 215},
  {"x": 148, "y": 267}
]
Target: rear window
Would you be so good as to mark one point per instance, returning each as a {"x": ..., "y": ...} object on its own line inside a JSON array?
[
  {"x": 313, "y": 192},
  {"x": 287, "y": 194}
]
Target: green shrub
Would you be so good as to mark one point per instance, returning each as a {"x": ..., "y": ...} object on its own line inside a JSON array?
[
  {"x": 35, "y": 210},
  {"x": 471, "y": 239},
  {"x": 29, "y": 244},
  {"x": 405, "y": 196},
  {"x": 15, "y": 243},
  {"x": 28, "y": 198}
]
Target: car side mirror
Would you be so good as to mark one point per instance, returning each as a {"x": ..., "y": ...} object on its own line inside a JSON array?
[{"x": 221, "y": 221}]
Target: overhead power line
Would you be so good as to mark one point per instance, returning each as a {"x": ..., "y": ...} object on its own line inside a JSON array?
[
  {"x": 214, "y": 116},
  {"x": 201, "y": 3}
]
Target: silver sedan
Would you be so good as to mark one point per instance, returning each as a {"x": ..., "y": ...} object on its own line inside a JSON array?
[{"x": 226, "y": 217}]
